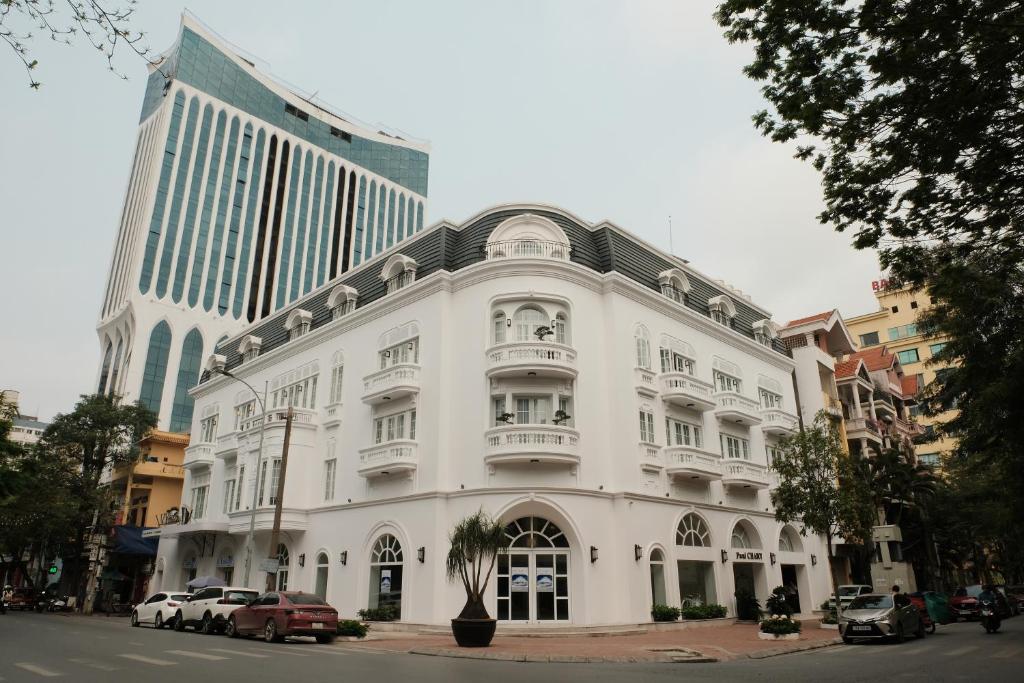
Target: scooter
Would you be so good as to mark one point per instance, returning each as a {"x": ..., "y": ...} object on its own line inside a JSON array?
[{"x": 990, "y": 620}]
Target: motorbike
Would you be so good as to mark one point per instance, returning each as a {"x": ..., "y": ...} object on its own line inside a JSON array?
[
  {"x": 990, "y": 620},
  {"x": 3, "y": 605}
]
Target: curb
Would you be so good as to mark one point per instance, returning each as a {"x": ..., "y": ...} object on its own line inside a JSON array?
[
  {"x": 790, "y": 650},
  {"x": 555, "y": 659}
]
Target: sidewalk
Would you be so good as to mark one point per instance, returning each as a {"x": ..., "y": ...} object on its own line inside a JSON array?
[{"x": 718, "y": 643}]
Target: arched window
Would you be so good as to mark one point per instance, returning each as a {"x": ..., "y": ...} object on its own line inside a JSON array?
[
  {"x": 765, "y": 331},
  {"x": 658, "y": 596},
  {"x": 693, "y": 531},
  {"x": 337, "y": 375},
  {"x": 386, "y": 574},
  {"x": 535, "y": 532},
  {"x": 321, "y": 575},
  {"x": 722, "y": 309},
  {"x": 789, "y": 541},
  {"x": 561, "y": 329},
  {"x": 527, "y": 321},
  {"x": 298, "y": 323},
  {"x": 115, "y": 369},
  {"x": 740, "y": 539},
  {"x": 155, "y": 371},
  {"x": 642, "y": 338},
  {"x": 188, "y": 377},
  {"x": 105, "y": 370},
  {"x": 249, "y": 347},
  {"x": 282, "y": 567},
  {"x": 398, "y": 272},
  {"x": 342, "y": 301},
  {"x": 500, "y": 323},
  {"x": 674, "y": 285}
]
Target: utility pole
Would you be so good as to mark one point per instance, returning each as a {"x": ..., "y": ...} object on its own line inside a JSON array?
[
  {"x": 671, "y": 247},
  {"x": 276, "y": 532}
]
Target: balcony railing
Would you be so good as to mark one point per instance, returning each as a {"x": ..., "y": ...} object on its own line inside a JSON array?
[
  {"x": 391, "y": 383},
  {"x": 389, "y": 458},
  {"x": 542, "y": 358},
  {"x": 200, "y": 454},
  {"x": 778, "y": 422},
  {"x": 833, "y": 406},
  {"x": 687, "y": 391},
  {"x": 332, "y": 414},
  {"x": 744, "y": 474},
  {"x": 733, "y": 407},
  {"x": 646, "y": 381},
  {"x": 650, "y": 456},
  {"x": 858, "y": 427},
  {"x": 688, "y": 462},
  {"x": 531, "y": 443},
  {"x": 526, "y": 248}
]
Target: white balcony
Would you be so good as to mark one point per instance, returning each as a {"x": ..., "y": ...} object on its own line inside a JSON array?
[
  {"x": 687, "y": 391},
  {"x": 863, "y": 428},
  {"x": 227, "y": 444},
  {"x": 778, "y": 422},
  {"x": 646, "y": 382},
  {"x": 650, "y": 456},
  {"x": 393, "y": 457},
  {"x": 198, "y": 455},
  {"x": 391, "y": 383},
  {"x": 531, "y": 443},
  {"x": 733, "y": 407},
  {"x": 744, "y": 474},
  {"x": 541, "y": 359},
  {"x": 332, "y": 414},
  {"x": 687, "y": 462}
]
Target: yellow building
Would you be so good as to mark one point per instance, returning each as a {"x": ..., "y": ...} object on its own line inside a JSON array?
[
  {"x": 894, "y": 325},
  {"x": 153, "y": 484}
]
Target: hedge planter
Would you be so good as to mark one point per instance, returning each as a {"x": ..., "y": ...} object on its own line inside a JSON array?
[
  {"x": 474, "y": 632},
  {"x": 773, "y": 636}
]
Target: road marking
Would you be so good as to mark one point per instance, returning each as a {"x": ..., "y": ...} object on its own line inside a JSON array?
[
  {"x": 149, "y": 660},
  {"x": 94, "y": 664},
  {"x": 961, "y": 651},
  {"x": 280, "y": 651},
  {"x": 197, "y": 655},
  {"x": 369, "y": 651},
  {"x": 237, "y": 652},
  {"x": 134, "y": 643},
  {"x": 332, "y": 651},
  {"x": 1009, "y": 652},
  {"x": 916, "y": 650},
  {"x": 37, "y": 669}
]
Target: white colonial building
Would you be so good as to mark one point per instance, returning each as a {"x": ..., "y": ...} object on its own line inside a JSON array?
[{"x": 614, "y": 406}]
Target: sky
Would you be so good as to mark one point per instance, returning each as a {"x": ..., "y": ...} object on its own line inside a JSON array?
[{"x": 630, "y": 111}]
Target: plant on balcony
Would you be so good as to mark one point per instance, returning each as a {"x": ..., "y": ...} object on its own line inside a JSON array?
[
  {"x": 506, "y": 418},
  {"x": 475, "y": 542},
  {"x": 560, "y": 417},
  {"x": 542, "y": 332}
]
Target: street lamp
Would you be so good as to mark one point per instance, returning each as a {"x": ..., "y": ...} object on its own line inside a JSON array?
[{"x": 250, "y": 539}]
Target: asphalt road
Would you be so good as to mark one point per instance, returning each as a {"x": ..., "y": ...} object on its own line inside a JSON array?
[{"x": 34, "y": 647}]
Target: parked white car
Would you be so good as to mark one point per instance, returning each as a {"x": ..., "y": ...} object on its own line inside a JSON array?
[
  {"x": 848, "y": 593},
  {"x": 207, "y": 609},
  {"x": 159, "y": 609}
]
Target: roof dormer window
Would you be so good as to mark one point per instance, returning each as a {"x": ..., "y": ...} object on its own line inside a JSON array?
[
  {"x": 674, "y": 285},
  {"x": 249, "y": 348},
  {"x": 298, "y": 323},
  {"x": 342, "y": 301},
  {"x": 723, "y": 311},
  {"x": 398, "y": 272},
  {"x": 765, "y": 332}
]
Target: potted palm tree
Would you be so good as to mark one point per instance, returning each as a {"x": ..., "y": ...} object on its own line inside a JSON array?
[{"x": 475, "y": 544}]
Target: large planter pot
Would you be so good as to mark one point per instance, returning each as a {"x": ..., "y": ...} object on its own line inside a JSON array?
[
  {"x": 775, "y": 636},
  {"x": 474, "y": 632}
]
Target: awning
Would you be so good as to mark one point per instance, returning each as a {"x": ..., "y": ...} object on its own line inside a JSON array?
[{"x": 129, "y": 541}]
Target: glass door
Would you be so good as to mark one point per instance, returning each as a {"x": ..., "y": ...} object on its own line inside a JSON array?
[
  {"x": 514, "y": 587},
  {"x": 551, "y": 586},
  {"x": 533, "y": 586}
]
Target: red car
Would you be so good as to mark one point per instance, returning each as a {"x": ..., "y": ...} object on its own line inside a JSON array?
[
  {"x": 278, "y": 615},
  {"x": 24, "y": 598},
  {"x": 964, "y": 603}
]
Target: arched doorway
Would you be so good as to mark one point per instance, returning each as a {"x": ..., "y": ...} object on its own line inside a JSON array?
[
  {"x": 658, "y": 595},
  {"x": 282, "y": 567},
  {"x": 321, "y": 575},
  {"x": 386, "y": 574},
  {"x": 695, "y": 562},
  {"x": 748, "y": 565},
  {"x": 533, "y": 576}
]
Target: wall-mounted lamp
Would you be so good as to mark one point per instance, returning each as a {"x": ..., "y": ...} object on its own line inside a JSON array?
[
  {"x": 638, "y": 552},
  {"x": 343, "y": 557},
  {"x": 814, "y": 560},
  {"x": 508, "y": 322},
  {"x": 593, "y": 554},
  {"x": 302, "y": 559},
  {"x": 421, "y": 554},
  {"x": 771, "y": 556},
  {"x": 725, "y": 555}
]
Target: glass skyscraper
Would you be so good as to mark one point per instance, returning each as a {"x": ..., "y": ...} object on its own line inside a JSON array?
[{"x": 243, "y": 197}]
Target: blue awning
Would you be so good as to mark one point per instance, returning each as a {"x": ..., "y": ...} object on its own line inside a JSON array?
[{"x": 129, "y": 541}]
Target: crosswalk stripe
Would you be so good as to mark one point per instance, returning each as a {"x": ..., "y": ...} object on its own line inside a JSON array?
[
  {"x": 1009, "y": 652},
  {"x": 369, "y": 650},
  {"x": 197, "y": 655},
  {"x": 333, "y": 651},
  {"x": 237, "y": 652},
  {"x": 916, "y": 650},
  {"x": 94, "y": 664},
  {"x": 149, "y": 660},
  {"x": 37, "y": 669},
  {"x": 281, "y": 651},
  {"x": 961, "y": 651}
]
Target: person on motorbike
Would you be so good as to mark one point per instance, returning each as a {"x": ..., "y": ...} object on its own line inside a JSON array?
[{"x": 7, "y": 596}]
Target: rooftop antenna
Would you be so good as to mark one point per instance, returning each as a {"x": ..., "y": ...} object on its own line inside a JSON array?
[{"x": 671, "y": 248}]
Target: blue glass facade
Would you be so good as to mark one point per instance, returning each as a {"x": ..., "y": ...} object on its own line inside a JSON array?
[
  {"x": 188, "y": 376},
  {"x": 230, "y": 171},
  {"x": 177, "y": 198},
  {"x": 196, "y": 280},
  {"x": 155, "y": 370},
  {"x": 250, "y": 218},
  {"x": 166, "y": 168}
]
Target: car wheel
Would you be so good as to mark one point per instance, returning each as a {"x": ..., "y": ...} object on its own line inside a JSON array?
[
  {"x": 324, "y": 638},
  {"x": 931, "y": 629},
  {"x": 179, "y": 622},
  {"x": 270, "y": 632},
  {"x": 230, "y": 630},
  {"x": 158, "y": 621},
  {"x": 919, "y": 633},
  {"x": 206, "y": 625},
  {"x": 899, "y": 633},
  {"x": 135, "y": 619}
]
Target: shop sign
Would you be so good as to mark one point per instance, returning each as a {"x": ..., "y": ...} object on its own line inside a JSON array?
[
  {"x": 748, "y": 555},
  {"x": 545, "y": 580},
  {"x": 225, "y": 561},
  {"x": 519, "y": 580},
  {"x": 385, "y": 580},
  {"x": 880, "y": 285},
  {"x": 269, "y": 565},
  {"x": 151, "y": 533}
]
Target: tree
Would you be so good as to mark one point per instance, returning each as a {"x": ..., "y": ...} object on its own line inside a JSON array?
[
  {"x": 823, "y": 488},
  {"x": 475, "y": 542},
  {"x": 105, "y": 28},
  {"x": 100, "y": 434}
]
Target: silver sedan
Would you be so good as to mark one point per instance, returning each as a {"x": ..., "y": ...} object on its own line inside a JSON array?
[{"x": 879, "y": 616}]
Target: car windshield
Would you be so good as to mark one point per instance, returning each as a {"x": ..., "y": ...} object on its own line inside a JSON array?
[
  {"x": 871, "y": 602},
  {"x": 239, "y": 597},
  {"x": 305, "y": 599},
  {"x": 847, "y": 591},
  {"x": 179, "y": 596}
]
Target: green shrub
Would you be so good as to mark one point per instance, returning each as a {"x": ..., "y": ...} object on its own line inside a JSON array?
[
  {"x": 351, "y": 627},
  {"x": 387, "y": 613},
  {"x": 780, "y": 625},
  {"x": 777, "y": 604},
  {"x": 711, "y": 611},
  {"x": 748, "y": 608},
  {"x": 664, "y": 613}
]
